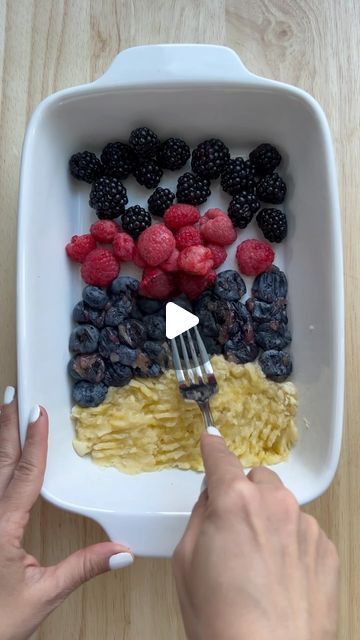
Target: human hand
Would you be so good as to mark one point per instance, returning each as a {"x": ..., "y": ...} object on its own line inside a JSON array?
[
  {"x": 29, "y": 592},
  {"x": 251, "y": 564}
]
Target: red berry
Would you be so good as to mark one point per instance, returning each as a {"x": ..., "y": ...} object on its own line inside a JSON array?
[
  {"x": 79, "y": 246},
  {"x": 218, "y": 253},
  {"x": 197, "y": 260},
  {"x": 100, "y": 268},
  {"x": 180, "y": 215},
  {"x": 156, "y": 284},
  {"x": 216, "y": 227},
  {"x": 171, "y": 263},
  {"x": 254, "y": 257},
  {"x": 193, "y": 286},
  {"x": 104, "y": 230},
  {"x": 137, "y": 259},
  {"x": 187, "y": 237},
  {"x": 123, "y": 247},
  {"x": 156, "y": 244}
]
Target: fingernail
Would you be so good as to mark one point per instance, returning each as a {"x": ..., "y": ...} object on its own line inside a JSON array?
[
  {"x": 120, "y": 560},
  {"x": 213, "y": 431},
  {"x": 34, "y": 414},
  {"x": 9, "y": 395}
]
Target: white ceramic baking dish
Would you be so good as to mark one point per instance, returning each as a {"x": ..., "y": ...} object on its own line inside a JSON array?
[{"x": 195, "y": 91}]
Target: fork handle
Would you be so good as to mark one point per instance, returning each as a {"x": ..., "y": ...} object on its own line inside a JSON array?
[{"x": 208, "y": 420}]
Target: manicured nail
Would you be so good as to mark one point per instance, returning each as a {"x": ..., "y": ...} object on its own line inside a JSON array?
[
  {"x": 120, "y": 560},
  {"x": 34, "y": 414},
  {"x": 213, "y": 431},
  {"x": 9, "y": 395}
]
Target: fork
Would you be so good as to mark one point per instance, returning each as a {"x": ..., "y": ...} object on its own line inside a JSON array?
[{"x": 197, "y": 381}]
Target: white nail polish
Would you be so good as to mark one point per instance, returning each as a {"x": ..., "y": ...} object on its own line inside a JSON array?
[
  {"x": 120, "y": 560},
  {"x": 213, "y": 431},
  {"x": 9, "y": 395},
  {"x": 34, "y": 414}
]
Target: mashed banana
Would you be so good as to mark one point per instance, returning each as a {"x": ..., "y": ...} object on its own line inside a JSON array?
[{"x": 147, "y": 426}]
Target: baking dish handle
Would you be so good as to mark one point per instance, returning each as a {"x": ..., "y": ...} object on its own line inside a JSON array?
[{"x": 166, "y": 64}]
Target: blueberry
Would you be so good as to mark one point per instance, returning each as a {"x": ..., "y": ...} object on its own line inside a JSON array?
[
  {"x": 108, "y": 341},
  {"x": 132, "y": 333},
  {"x": 84, "y": 339},
  {"x": 229, "y": 285},
  {"x": 208, "y": 325},
  {"x": 87, "y": 394},
  {"x": 183, "y": 302},
  {"x": 155, "y": 327},
  {"x": 124, "y": 284},
  {"x": 136, "y": 313},
  {"x": 158, "y": 352},
  {"x": 267, "y": 311},
  {"x": 212, "y": 346},
  {"x": 95, "y": 297},
  {"x": 270, "y": 285},
  {"x": 244, "y": 321},
  {"x": 276, "y": 365},
  {"x": 272, "y": 335},
  {"x": 236, "y": 350},
  {"x": 82, "y": 313},
  {"x": 148, "y": 306},
  {"x": 87, "y": 367},
  {"x": 120, "y": 309},
  {"x": 151, "y": 371},
  {"x": 123, "y": 354},
  {"x": 117, "y": 375}
]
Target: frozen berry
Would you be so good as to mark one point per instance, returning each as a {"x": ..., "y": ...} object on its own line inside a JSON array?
[
  {"x": 135, "y": 220},
  {"x": 137, "y": 259},
  {"x": 216, "y": 227},
  {"x": 156, "y": 284},
  {"x": 124, "y": 285},
  {"x": 254, "y": 256},
  {"x": 155, "y": 327},
  {"x": 148, "y": 306},
  {"x": 95, "y": 297},
  {"x": 144, "y": 142},
  {"x": 118, "y": 159},
  {"x": 273, "y": 224},
  {"x": 104, "y": 230},
  {"x": 80, "y": 246},
  {"x": 87, "y": 394},
  {"x": 240, "y": 352},
  {"x": 229, "y": 285},
  {"x": 160, "y": 200},
  {"x": 219, "y": 254},
  {"x": 148, "y": 173},
  {"x": 157, "y": 352},
  {"x": 276, "y": 365},
  {"x": 193, "y": 286},
  {"x": 210, "y": 158},
  {"x": 156, "y": 244},
  {"x": 108, "y": 341},
  {"x": 132, "y": 333},
  {"x": 100, "y": 268},
  {"x": 197, "y": 260},
  {"x": 171, "y": 264},
  {"x": 84, "y": 339},
  {"x": 187, "y": 237},
  {"x": 117, "y": 375},
  {"x": 124, "y": 355},
  {"x": 181, "y": 215},
  {"x": 83, "y": 314},
  {"x": 270, "y": 285},
  {"x": 242, "y": 209},
  {"x": 238, "y": 176},
  {"x": 85, "y": 166},
  {"x": 265, "y": 158},
  {"x": 272, "y": 335},
  {"x": 87, "y": 367},
  {"x": 173, "y": 154},
  {"x": 192, "y": 189},
  {"x": 123, "y": 247},
  {"x": 262, "y": 312},
  {"x": 271, "y": 189},
  {"x": 108, "y": 196},
  {"x": 120, "y": 309}
]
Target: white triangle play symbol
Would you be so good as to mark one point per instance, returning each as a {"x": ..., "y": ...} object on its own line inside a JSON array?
[{"x": 178, "y": 320}]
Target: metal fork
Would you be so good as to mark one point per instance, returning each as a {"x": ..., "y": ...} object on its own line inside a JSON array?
[{"x": 196, "y": 380}]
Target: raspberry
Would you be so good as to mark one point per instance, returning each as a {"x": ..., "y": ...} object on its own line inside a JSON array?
[
  {"x": 123, "y": 247},
  {"x": 193, "y": 286},
  {"x": 156, "y": 284},
  {"x": 187, "y": 237},
  {"x": 197, "y": 260},
  {"x": 171, "y": 264},
  {"x": 104, "y": 230},
  {"x": 156, "y": 244},
  {"x": 218, "y": 253},
  {"x": 100, "y": 268},
  {"x": 254, "y": 257},
  {"x": 79, "y": 246},
  {"x": 137, "y": 259},
  {"x": 216, "y": 227},
  {"x": 180, "y": 215}
]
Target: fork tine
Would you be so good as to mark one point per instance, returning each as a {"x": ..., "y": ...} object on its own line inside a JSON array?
[
  {"x": 177, "y": 362},
  {"x": 204, "y": 354},
  {"x": 196, "y": 362},
  {"x": 186, "y": 358}
]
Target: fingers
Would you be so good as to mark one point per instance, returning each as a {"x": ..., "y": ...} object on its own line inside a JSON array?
[
  {"x": 9, "y": 438},
  {"x": 191, "y": 533},
  {"x": 262, "y": 475},
  {"x": 219, "y": 462}
]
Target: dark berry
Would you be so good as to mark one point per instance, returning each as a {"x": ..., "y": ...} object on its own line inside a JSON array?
[
  {"x": 265, "y": 158},
  {"x": 84, "y": 339},
  {"x": 229, "y": 285},
  {"x": 108, "y": 341},
  {"x": 271, "y": 189},
  {"x": 270, "y": 285},
  {"x": 144, "y": 142},
  {"x": 152, "y": 370},
  {"x": 183, "y": 302},
  {"x": 148, "y": 173},
  {"x": 155, "y": 327},
  {"x": 158, "y": 352},
  {"x": 87, "y": 394},
  {"x": 210, "y": 158},
  {"x": 273, "y": 224},
  {"x": 160, "y": 200},
  {"x": 192, "y": 189},
  {"x": 87, "y": 367},
  {"x": 124, "y": 284},
  {"x": 135, "y": 220},
  {"x": 108, "y": 197},
  {"x": 242, "y": 209},
  {"x": 123, "y": 354},
  {"x": 238, "y": 176},
  {"x": 85, "y": 166},
  {"x": 243, "y": 322},
  {"x": 276, "y": 365},
  {"x": 95, "y": 297},
  {"x": 266, "y": 312},
  {"x": 236, "y": 350},
  {"x": 173, "y": 154},
  {"x": 119, "y": 309},
  {"x": 272, "y": 335},
  {"x": 118, "y": 159},
  {"x": 148, "y": 306},
  {"x": 83, "y": 314},
  {"x": 117, "y": 375},
  {"x": 132, "y": 333},
  {"x": 212, "y": 346}
]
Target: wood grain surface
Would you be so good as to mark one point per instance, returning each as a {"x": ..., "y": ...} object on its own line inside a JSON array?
[{"x": 48, "y": 45}]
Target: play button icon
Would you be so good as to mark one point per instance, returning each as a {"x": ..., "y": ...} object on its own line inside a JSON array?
[{"x": 178, "y": 320}]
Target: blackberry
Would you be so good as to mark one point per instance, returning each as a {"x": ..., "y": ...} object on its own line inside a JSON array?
[
  {"x": 135, "y": 220},
  {"x": 209, "y": 158},
  {"x": 242, "y": 209},
  {"x": 85, "y": 166},
  {"x": 271, "y": 189},
  {"x": 238, "y": 176},
  {"x": 144, "y": 142},
  {"x": 273, "y": 224},
  {"x": 265, "y": 158},
  {"x": 192, "y": 189},
  {"x": 118, "y": 159},
  {"x": 173, "y": 154},
  {"x": 160, "y": 200},
  {"x": 148, "y": 173},
  {"x": 108, "y": 197}
]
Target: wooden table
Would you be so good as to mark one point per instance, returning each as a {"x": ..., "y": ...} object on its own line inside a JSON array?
[{"x": 48, "y": 45}]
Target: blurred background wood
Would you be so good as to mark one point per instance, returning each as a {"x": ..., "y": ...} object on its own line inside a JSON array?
[{"x": 48, "y": 45}]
